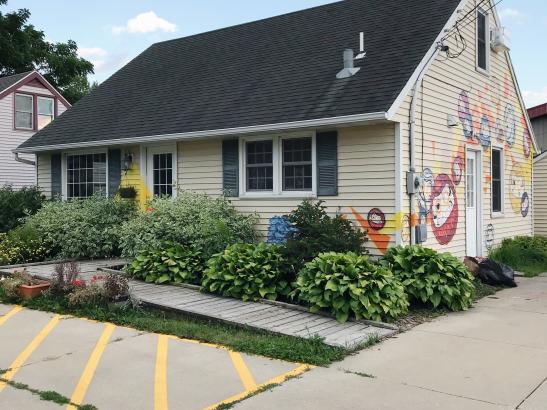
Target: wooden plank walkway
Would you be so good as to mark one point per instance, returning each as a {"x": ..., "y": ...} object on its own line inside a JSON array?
[{"x": 269, "y": 317}]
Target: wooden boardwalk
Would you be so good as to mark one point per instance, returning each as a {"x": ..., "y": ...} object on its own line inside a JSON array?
[{"x": 291, "y": 321}]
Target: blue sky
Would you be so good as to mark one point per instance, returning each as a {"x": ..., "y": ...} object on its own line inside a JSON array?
[{"x": 112, "y": 33}]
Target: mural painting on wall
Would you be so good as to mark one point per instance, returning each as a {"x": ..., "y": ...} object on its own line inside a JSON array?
[
  {"x": 489, "y": 236},
  {"x": 444, "y": 209}
]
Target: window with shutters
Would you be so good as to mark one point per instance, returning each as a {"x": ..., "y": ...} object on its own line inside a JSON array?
[
  {"x": 85, "y": 175},
  {"x": 483, "y": 41},
  {"x": 278, "y": 166}
]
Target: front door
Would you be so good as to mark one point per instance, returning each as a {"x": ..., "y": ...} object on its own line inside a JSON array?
[
  {"x": 161, "y": 171},
  {"x": 473, "y": 203}
]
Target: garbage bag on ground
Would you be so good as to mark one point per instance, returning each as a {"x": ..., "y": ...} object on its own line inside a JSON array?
[{"x": 495, "y": 273}]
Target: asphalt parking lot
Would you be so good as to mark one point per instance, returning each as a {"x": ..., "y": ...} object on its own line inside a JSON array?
[{"x": 113, "y": 367}]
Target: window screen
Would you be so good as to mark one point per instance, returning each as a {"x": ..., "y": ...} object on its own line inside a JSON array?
[
  {"x": 259, "y": 164},
  {"x": 297, "y": 164},
  {"x": 23, "y": 111}
]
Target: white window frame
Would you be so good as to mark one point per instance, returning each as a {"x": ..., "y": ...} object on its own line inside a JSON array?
[
  {"x": 64, "y": 169},
  {"x": 487, "y": 40},
  {"x": 147, "y": 152},
  {"x": 39, "y": 97},
  {"x": 277, "y": 163},
  {"x": 501, "y": 213},
  {"x": 31, "y": 128}
]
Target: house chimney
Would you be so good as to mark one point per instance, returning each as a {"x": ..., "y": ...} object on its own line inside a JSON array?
[{"x": 349, "y": 68}]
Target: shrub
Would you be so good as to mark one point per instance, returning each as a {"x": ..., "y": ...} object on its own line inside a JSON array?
[
  {"x": 65, "y": 276},
  {"x": 523, "y": 253},
  {"x": 349, "y": 284},
  {"x": 115, "y": 286},
  {"x": 10, "y": 285},
  {"x": 15, "y": 205},
  {"x": 248, "y": 272},
  {"x": 316, "y": 232},
  {"x": 82, "y": 228},
  {"x": 435, "y": 279},
  {"x": 172, "y": 263},
  {"x": 196, "y": 220},
  {"x": 86, "y": 295}
]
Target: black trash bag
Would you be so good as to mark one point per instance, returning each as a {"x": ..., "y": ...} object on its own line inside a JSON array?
[{"x": 495, "y": 273}]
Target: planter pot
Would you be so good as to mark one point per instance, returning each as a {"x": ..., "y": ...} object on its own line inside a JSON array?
[{"x": 33, "y": 291}]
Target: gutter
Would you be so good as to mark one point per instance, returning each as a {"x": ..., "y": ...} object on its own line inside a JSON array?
[
  {"x": 237, "y": 131},
  {"x": 22, "y": 160}
]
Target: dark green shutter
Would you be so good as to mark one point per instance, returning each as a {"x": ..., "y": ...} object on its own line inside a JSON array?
[
  {"x": 56, "y": 176},
  {"x": 114, "y": 171},
  {"x": 230, "y": 167},
  {"x": 327, "y": 163}
]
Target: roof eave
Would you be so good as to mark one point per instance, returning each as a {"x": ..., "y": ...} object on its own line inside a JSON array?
[{"x": 225, "y": 132}]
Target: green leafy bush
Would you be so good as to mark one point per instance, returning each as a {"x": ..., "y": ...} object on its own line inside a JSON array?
[
  {"x": 435, "y": 279},
  {"x": 172, "y": 263},
  {"x": 15, "y": 205},
  {"x": 317, "y": 232},
  {"x": 524, "y": 253},
  {"x": 196, "y": 220},
  {"x": 248, "y": 272},
  {"x": 23, "y": 245},
  {"x": 82, "y": 228},
  {"x": 347, "y": 284}
]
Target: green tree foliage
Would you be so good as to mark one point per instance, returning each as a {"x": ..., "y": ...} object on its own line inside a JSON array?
[{"x": 24, "y": 48}]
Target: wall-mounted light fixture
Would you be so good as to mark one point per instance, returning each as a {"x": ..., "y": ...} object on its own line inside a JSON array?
[{"x": 127, "y": 162}]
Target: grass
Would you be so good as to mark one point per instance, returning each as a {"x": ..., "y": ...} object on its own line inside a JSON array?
[
  {"x": 527, "y": 254},
  {"x": 308, "y": 351},
  {"x": 46, "y": 395}
]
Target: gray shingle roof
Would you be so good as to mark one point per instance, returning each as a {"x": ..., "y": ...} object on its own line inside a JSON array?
[
  {"x": 276, "y": 70},
  {"x": 6, "y": 82}
]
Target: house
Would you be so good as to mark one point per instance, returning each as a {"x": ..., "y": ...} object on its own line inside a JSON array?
[
  {"x": 404, "y": 116},
  {"x": 27, "y": 104},
  {"x": 538, "y": 118}
]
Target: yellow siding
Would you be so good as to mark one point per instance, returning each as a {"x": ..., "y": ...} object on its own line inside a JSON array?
[
  {"x": 540, "y": 197},
  {"x": 366, "y": 179},
  {"x": 488, "y": 95}
]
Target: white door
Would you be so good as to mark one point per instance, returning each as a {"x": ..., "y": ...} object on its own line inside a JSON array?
[
  {"x": 472, "y": 201},
  {"x": 161, "y": 170}
]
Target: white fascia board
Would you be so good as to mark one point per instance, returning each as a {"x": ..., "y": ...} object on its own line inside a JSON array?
[{"x": 238, "y": 131}]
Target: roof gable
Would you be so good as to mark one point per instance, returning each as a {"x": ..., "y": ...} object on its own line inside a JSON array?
[
  {"x": 32, "y": 78},
  {"x": 278, "y": 70}
]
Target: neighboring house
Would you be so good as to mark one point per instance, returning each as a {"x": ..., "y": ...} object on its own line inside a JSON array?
[
  {"x": 264, "y": 113},
  {"x": 538, "y": 118},
  {"x": 27, "y": 104}
]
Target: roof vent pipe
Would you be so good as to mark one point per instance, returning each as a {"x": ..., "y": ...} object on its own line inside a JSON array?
[{"x": 349, "y": 68}]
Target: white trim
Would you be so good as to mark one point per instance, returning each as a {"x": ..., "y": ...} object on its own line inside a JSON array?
[
  {"x": 31, "y": 128},
  {"x": 161, "y": 149},
  {"x": 398, "y": 178},
  {"x": 498, "y": 214},
  {"x": 479, "y": 197},
  {"x": 487, "y": 41},
  {"x": 277, "y": 164},
  {"x": 285, "y": 126},
  {"x": 426, "y": 62},
  {"x": 64, "y": 181}
]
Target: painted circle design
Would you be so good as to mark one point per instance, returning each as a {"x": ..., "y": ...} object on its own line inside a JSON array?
[
  {"x": 510, "y": 125},
  {"x": 525, "y": 205},
  {"x": 464, "y": 113},
  {"x": 376, "y": 219},
  {"x": 484, "y": 135},
  {"x": 444, "y": 209}
]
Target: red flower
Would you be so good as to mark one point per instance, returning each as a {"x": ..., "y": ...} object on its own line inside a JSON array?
[
  {"x": 77, "y": 282},
  {"x": 149, "y": 210}
]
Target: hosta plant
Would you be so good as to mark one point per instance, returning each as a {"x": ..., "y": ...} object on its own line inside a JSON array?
[
  {"x": 347, "y": 284},
  {"x": 248, "y": 272},
  {"x": 172, "y": 263},
  {"x": 435, "y": 279}
]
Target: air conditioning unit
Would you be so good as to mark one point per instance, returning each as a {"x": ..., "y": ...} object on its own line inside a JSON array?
[{"x": 499, "y": 39}]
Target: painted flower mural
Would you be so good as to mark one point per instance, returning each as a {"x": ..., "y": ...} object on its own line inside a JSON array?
[
  {"x": 510, "y": 122},
  {"x": 424, "y": 195},
  {"x": 464, "y": 112},
  {"x": 484, "y": 135},
  {"x": 444, "y": 209}
]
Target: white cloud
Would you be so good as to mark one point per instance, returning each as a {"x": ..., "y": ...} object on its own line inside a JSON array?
[
  {"x": 511, "y": 14},
  {"x": 145, "y": 23},
  {"x": 533, "y": 98},
  {"x": 92, "y": 52}
]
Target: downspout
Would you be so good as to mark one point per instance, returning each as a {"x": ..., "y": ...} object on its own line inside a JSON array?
[{"x": 22, "y": 160}]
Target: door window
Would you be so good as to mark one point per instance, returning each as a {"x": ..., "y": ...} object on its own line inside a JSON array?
[{"x": 163, "y": 174}]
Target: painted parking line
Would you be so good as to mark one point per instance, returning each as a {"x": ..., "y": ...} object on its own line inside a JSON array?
[
  {"x": 160, "y": 379},
  {"x": 77, "y": 397},
  {"x": 25, "y": 354},
  {"x": 243, "y": 371},
  {"x": 13, "y": 311}
]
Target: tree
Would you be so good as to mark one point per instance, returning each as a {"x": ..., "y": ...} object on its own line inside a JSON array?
[{"x": 24, "y": 48}]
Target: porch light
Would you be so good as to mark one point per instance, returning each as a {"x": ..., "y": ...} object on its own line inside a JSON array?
[{"x": 127, "y": 161}]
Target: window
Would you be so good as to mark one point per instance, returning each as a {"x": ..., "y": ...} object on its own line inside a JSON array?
[
  {"x": 86, "y": 175},
  {"x": 497, "y": 180},
  {"x": 24, "y": 111},
  {"x": 163, "y": 174},
  {"x": 297, "y": 164},
  {"x": 259, "y": 165},
  {"x": 482, "y": 40},
  {"x": 45, "y": 111},
  {"x": 278, "y": 166}
]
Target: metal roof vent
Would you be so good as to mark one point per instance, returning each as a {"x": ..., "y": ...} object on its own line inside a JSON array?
[{"x": 349, "y": 68}]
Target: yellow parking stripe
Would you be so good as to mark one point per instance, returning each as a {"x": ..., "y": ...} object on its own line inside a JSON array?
[
  {"x": 25, "y": 354},
  {"x": 160, "y": 381},
  {"x": 90, "y": 368},
  {"x": 276, "y": 380},
  {"x": 243, "y": 371},
  {"x": 3, "y": 319}
]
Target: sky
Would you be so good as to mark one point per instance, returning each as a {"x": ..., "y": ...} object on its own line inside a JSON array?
[{"x": 111, "y": 33}]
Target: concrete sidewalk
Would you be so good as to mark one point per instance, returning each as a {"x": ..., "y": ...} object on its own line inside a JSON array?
[{"x": 491, "y": 357}]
